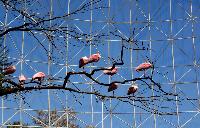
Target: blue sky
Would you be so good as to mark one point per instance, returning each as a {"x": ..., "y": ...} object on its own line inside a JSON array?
[{"x": 172, "y": 36}]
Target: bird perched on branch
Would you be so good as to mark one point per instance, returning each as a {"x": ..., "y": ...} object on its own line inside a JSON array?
[
  {"x": 110, "y": 72},
  {"x": 132, "y": 89},
  {"x": 112, "y": 87},
  {"x": 143, "y": 66},
  {"x": 38, "y": 76},
  {"x": 9, "y": 70},
  {"x": 22, "y": 80},
  {"x": 95, "y": 57},
  {"x": 83, "y": 61},
  {"x": 86, "y": 60}
]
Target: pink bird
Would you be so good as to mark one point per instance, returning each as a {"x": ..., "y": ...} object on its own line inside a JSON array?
[
  {"x": 95, "y": 57},
  {"x": 9, "y": 70},
  {"x": 132, "y": 89},
  {"x": 110, "y": 72},
  {"x": 143, "y": 66},
  {"x": 22, "y": 79},
  {"x": 86, "y": 60},
  {"x": 112, "y": 87},
  {"x": 83, "y": 61},
  {"x": 38, "y": 76}
]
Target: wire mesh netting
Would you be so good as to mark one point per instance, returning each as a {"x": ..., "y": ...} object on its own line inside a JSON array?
[{"x": 162, "y": 32}]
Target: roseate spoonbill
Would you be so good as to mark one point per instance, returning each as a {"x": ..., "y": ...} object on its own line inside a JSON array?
[
  {"x": 143, "y": 67},
  {"x": 110, "y": 72},
  {"x": 95, "y": 57},
  {"x": 38, "y": 76},
  {"x": 9, "y": 70},
  {"x": 132, "y": 89},
  {"x": 83, "y": 61},
  {"x": 22, "y": 79},
  {"x": 112, "y": 87},
  {"x": 86, "y": 60}
]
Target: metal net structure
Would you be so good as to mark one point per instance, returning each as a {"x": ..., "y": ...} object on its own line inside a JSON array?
[{"x": 126, "y": 33}]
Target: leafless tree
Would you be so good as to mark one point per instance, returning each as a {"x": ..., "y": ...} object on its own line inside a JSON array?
[
  {"x": 16, "y": 124},
  {"x": 59, "y": 119},
  {"x": 33, "y": 23}
]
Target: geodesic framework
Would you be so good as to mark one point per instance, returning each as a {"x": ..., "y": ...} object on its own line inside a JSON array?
[{"x": 168, "y": 30}]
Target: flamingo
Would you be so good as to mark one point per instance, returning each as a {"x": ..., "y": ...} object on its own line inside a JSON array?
[
  {"x": 9, "y": 70},
  {"x": 110, "y": 72},
  {"x": 38, "y": 76},
  {"x": 86, "y": 60},
  {"x": 112, "y": 87},
  {"x": 143, "y": 67},
  {"x": 132, "y": 89},
  {"x": 22, "y": 79}
]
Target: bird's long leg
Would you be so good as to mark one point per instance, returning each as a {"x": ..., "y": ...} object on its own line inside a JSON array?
[
  {"x": 40, "y": 80},
  {"x": 113, "y": 93},
  {"x": 21, "y": 84}
]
